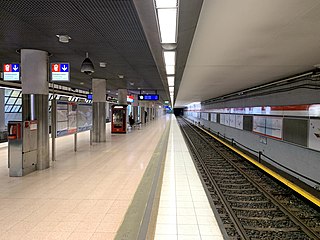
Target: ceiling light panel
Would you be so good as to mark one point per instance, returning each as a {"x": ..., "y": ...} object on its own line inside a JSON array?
[
  {"x": 170, "y": 70},
  {"x": 170, "y": 81},
  {"x": 169, "y": 58},
  {"x": 171, "y": 90},
  {"x": 168, "y": 24},
  {"x": 166, "y": 3}
]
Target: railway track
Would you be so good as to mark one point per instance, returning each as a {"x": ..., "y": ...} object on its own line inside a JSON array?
[{"x": 251, "y": 204}]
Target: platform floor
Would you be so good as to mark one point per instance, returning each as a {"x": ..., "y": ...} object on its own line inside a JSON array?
[
  {"x": 184, "y": 210},
  {"x": 84, "y": 195}
]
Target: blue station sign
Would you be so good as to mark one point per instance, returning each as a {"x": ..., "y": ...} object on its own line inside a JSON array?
[
  {"x": 60, "y": 72},
  {"x": 148, "y": 97},
  {"x": 11, "y": 72}
]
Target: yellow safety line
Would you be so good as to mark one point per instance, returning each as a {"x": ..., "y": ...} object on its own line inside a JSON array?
[{"x": 291, "y": 185}]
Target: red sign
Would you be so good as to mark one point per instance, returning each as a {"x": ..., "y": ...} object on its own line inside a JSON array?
[
  {"x": 7, "y": 68},
  {"x": 55, "y": 67}
]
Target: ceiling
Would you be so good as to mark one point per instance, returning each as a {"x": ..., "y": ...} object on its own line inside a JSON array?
[
  {"x": 109, "y": 30},
  {"x": 241, "y": 44}
]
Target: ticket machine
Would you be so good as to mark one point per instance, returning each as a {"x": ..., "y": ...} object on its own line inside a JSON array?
[
  {"x": 22, "y": 147},
  {"x": 119, "y": 119}
]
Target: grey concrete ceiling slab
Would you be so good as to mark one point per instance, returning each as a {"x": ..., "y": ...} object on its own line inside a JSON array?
[
  {"x": 241, "y": 44},
  {"x": 110, "y": 30}
]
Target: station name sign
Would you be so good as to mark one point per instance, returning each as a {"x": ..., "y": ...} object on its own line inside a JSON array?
[
  {"x": 11, "y": 72},
  {"x": 148, "y": 97},
  {"x": 60, "y": 72}
]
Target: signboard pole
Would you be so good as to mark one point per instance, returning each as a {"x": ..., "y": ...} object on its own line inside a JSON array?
[
  {"x": 90, "y": 136},
  {"x": 75, "y": 142},
  {"x": 53, "y": 127}
]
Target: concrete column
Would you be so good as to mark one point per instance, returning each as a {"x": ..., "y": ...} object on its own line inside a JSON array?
[
  {"x": 99, "y": 88},
  {"x": 122, "y": 96},
  {"x": 2, "y": 115},
  {"x": 35, "y": 91}
]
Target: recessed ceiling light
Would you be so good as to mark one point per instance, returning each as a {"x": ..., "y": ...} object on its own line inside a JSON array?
[
  {"x": 131, "y": 83},
  {"x": 108, "y": 91},
  {"x": 121, "y": 76},
  {"x": 81, "y": 83},
  {"x": 63, "y": 38},
  {"x": 103, "y": 64}
]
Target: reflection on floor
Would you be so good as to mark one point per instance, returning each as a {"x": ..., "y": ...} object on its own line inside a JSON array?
[{"x": 84, "y": 195}]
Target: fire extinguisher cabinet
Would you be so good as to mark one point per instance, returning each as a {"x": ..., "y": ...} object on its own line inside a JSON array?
[
  {"x": 119, "y": 118},
  {"x": 22, "y": 147}
]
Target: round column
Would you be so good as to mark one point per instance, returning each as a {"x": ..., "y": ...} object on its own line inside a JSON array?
[{"x": 35, "y": 91}]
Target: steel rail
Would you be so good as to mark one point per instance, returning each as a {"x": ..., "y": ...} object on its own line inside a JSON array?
[
  {"x": 241, "y": 231},
  {"x": 269, "y": 196}
]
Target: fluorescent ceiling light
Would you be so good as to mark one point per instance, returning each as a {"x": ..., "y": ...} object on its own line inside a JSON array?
[
  {"x": 170, "y": 81},
  {"x": 166, "y": 3},
  {"x": 168, "y": 24},
  {"x": 170, "y": 70},
  {"x": 169, "y": 58}
]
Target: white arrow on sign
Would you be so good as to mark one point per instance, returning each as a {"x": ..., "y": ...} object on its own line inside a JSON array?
[
  {"x": 64, "y": 68},
  {"x": 15, "y": 67}
]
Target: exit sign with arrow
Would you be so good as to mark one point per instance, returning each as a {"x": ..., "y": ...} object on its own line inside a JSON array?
[
  {"x": 11, "y": 72},
  {"x": 60, "y": 72}
]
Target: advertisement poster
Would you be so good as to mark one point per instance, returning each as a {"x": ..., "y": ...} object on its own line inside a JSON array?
[
  {"x": 213, "y": 117},
  {"x": 270, "y": 126},
  {"x": 72, "y": 117},
  {"x": 314, "y": 134},
  {"x": 62, "y": 119},
  {"x": 84, "y": 117},
  {"x": 232, "y": 120},
  {"x": 239, "y": 121},
  {"x": 222, "y": 117},
  {"x": 226, "y": 120},
  {"x": 259, "y": 124},
  {"x": 274, "y": 127}
]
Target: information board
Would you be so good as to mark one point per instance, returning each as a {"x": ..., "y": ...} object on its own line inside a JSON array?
[
  {"x": 60, "y": 72},
  {"x": 11, "y": 72},
  {"x": 148, "y": 97}
]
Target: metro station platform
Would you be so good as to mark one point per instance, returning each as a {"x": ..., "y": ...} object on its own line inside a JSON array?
[
  {"x": 85, "y": 194},
  {"x": 89, "y": 194},
  {"x": 184, "y": 209}
]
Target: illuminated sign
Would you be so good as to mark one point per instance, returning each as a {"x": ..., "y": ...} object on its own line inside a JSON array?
[
  {"x": 60, "y": 72},
  {"x": 89, "y": 96},
  {"x": 130, "y": 99},
  {"x": 11, "y": 72},
  {"x": 148, "y": 97}
]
